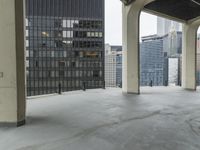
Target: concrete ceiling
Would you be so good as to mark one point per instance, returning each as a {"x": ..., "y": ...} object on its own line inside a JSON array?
[{"x": 181, "y": 9}]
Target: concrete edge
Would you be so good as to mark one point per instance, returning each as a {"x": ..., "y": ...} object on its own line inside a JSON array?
[
  {"x": 130, "y": 93},
  {"x": 13, "y": 124},
  {"x": 192, "y": 90}
]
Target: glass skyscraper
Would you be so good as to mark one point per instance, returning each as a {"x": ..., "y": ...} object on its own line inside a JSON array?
[
  {"x": 64, "y": 45},
  {"x": 160, "y": 59},
  {"x": 154, "y": 61}
]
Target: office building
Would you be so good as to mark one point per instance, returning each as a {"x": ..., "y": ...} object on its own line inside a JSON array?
[
  {"x": 110, "y": 67},
  {"x": 165, "y": 50},
  {"x": 153, "y": 61},
  {"x": 173, "y": 70},
  {"x": 113, "y": 66},
  {"x": 64, "y": 45}
]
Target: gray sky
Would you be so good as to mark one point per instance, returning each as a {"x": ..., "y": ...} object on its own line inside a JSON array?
[{"x": 113, "y": 18}]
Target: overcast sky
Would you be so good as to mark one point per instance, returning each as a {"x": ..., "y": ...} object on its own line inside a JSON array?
[{"x": 113, "y": 23}]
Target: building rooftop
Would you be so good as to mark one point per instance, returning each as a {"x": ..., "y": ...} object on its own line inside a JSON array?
[
  {"x": 157, "y": 37},
  {"x": 159, "y": 119}
]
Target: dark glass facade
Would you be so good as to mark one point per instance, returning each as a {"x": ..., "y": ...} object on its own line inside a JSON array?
[{"x": 64, "y": 45}]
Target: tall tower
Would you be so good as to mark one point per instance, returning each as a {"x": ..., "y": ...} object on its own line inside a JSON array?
[{"x": 165, "y": 26}]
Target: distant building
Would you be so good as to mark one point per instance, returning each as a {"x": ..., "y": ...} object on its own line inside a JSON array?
[
  {"x": 165, "y": 26},
  {"x": 154, "y": 61},
  {"x": 161, "y": 53},
  {"x": 113, "y": 66},
  {"x": 173, "y": 71},
  {"x": 172, "y": 33},
  {"x": 110, "y": 67},
  {"x": 173, "y": 44},
  {"x": 173, "y": 48}
]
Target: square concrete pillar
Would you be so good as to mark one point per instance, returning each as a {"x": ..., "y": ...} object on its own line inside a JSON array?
[
  {"x": 189, "y": 57},
  {"x": 131, "y": 59},
  {"x": 131, "y": 11},
  {"x": 12, "y": 63}
]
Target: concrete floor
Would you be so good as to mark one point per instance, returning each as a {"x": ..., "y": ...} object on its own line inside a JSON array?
[{"x": 159, "y": 119}]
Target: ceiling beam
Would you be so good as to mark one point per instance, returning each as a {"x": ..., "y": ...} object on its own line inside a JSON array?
[
  {"x": 163, "y": 15},
  {"x": 127, "y": 2}
]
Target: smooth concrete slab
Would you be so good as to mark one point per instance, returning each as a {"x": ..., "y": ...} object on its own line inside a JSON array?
[{"x": 158, "y": 119}]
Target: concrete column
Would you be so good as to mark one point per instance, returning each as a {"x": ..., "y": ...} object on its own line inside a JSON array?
[
  {"x": 189, "y": 56},
  {"x": 131, "y": 46},
  {"x": 12, "y": 70},
  {"x": 131, "y": 69}
]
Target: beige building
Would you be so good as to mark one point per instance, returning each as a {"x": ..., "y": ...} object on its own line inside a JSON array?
[
  {"x": 113, "y": 66},
  {"x": 110, "y": 67}
]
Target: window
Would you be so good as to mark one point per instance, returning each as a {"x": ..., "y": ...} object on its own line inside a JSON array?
[
  {"x": 27, "y": 33},
  {"x": 26, "y": 22},
  {"x": 100, "y": 34},
  {"x": 64, "y": 24},
  {"x": 88, "y": 34},
  {"x": 44, "y": 34},
  {"x": 76, "y": 54},
  {"x": 58, "y": 34},
  {"x": 43, "y": 44},
  {"x": 27, "y": 43},
  {"x": 92, "y": 34},
  {"x": 67, "y": 34},
  {"x": 73, "y": 64},
  {"x": 81, "y": 54},
  {"x": 52, "y": 54},
  {"x": 58, "y": 44},
  {"x": 96, "y": 34},
  {"x": 58, "y": 24},
  {"x": 61, "y": 63},
  {"x": 36, "y": 64},
  {"x": 61, "y": 73},
  {"x": 91, "y": 54},
  {"x": 95, "y": 73}
]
